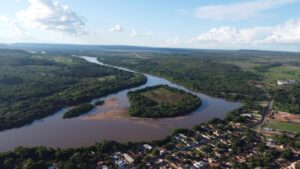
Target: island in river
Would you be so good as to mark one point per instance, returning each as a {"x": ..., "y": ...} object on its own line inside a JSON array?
[
  {"x": 78, "y": 110},
  {"x": 162, "y": 101}
]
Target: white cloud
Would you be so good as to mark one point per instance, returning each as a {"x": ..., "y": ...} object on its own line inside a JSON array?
[
  {"x": 173, "y": 41},
  {"x": 3, "y": 18},
  {"x": 51, "y": 15},
  {"x": 17, "y": 32},
  {"x": 116, "y": 28},
  {"x": 240, "y": 10},
  {"x": 286, "y": 33}
]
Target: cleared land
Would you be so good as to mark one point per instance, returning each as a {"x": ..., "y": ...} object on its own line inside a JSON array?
[
  {"x": 283, "y": 73},
  {"x": 287, "y": 117},
  {"x": 283, "y": 126},
  {"x": 164, "y": 95}
]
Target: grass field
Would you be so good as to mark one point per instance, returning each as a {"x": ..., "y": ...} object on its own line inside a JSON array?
[
  {"x": 283, "y": 73},
  {"x": 161, "y": 95},
  {"x": 284, "y": 126}
]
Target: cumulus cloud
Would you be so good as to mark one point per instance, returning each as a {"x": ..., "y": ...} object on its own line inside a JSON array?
[
  {"x": 53, "y": 16},
  {"x": 286, "y": 33},
  {"x": 173, "y": 41},
  {"x": 240, "y": 10},
  {"x": 16, "y": 32},
  {"x": 116, "y": 28}
]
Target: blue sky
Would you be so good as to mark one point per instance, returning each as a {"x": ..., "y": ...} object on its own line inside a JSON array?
[{"x": 227, "y": 24}]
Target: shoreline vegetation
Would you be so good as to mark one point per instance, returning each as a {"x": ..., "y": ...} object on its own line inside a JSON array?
[
  {"x": 33, "y": 87},
  {"x": 78, "y": 110},
  {"x": 99, "y": 103},
  {"x": 162, "y": 101},
  {"x": 233, "y": 137},
  {"x": 201, "y": 74}
]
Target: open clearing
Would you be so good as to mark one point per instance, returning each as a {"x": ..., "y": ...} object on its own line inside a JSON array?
[
  {"x": 283, "y": 73},
  {"x": 283, "y": 126},
  {"x": 163, "y": 95},
  {"x": 287, "y": 117}
]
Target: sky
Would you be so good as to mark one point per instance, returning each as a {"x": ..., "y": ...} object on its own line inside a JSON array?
[{"x": 205, "y": 24}]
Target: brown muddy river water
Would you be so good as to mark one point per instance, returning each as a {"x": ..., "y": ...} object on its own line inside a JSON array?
[{"x": 110, "y": 122}]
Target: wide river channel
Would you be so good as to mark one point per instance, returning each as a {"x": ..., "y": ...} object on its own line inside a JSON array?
[{"x": 110, "y": 122}]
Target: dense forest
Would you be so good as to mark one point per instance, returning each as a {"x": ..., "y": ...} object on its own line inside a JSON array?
[
  {"x": 78, "y": 110},
  {"x": 204, "y": 74},
  {"x": 288, "y": 99},
  {"x": 143, "y": 106},
  {"x": 35, "y": 86}
]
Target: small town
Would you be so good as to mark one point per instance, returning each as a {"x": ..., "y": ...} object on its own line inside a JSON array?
[
  {"x": 210, "y": 146},
  {"x": 215, "y": 144}
]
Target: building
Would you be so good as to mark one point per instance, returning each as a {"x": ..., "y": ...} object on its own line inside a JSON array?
[
  {"x": 285, "y": 82},
  {"x": 128, "y": 158},
  {"x": 147, "y": 147},
  {"x": 199, "y": 164}
]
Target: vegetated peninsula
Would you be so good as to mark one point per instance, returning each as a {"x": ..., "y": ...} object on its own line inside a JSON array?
[
  {"x": 161, "y": 101},
  {"x": 33, "y": 86},
  {"x": 78, "y": 110},
  {"x": 99, "y": 103}
]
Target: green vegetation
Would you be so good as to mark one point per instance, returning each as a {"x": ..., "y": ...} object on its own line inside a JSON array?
[
  {"x": 205, "y": 74},
  {"x": 99, "y": 102},
  {"x": 234, "y": 75},
  {"x": 283, "y": 126},
  {"x": 78, "y": 110},
  {"x": 161, "y": 101},
  {"x": 287, "y": 99},
  {"x": 286, "y": 72},
  {"x": 33, "y": 87}
]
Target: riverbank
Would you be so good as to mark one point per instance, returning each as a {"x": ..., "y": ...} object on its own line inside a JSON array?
[{"x": 54, "y": 131}]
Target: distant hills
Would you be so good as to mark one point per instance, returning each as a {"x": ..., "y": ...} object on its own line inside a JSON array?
[{"x": 124, "y": 48}]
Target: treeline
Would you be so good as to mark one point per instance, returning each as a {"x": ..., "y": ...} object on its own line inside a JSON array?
[
  {"x": 205, "y": 74},
  {"x": 78, "y": 110},
  {"x": 142, "y": 106},
  {"x": 287, "y": 99},
  {"x": 33, "y": 87}
]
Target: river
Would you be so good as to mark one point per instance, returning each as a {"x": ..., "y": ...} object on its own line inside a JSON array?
[{"x": 110, "y": 121}]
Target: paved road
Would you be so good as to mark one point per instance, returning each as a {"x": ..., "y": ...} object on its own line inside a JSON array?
[{"x": 265, "y": 115}]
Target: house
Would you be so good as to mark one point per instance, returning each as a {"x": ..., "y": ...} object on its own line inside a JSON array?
[
  {"x": 128, "y": 158},
  {"x": 246, "y": 115},
  {"x": 285, "y": 82},
  {"x": 200, "y": 164},
  {"x": 147, "y": 147},
  {"x": 121, "y": 164},
  {"x": 104, "y": 167},
  {"x": 183, "y": 136}
]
